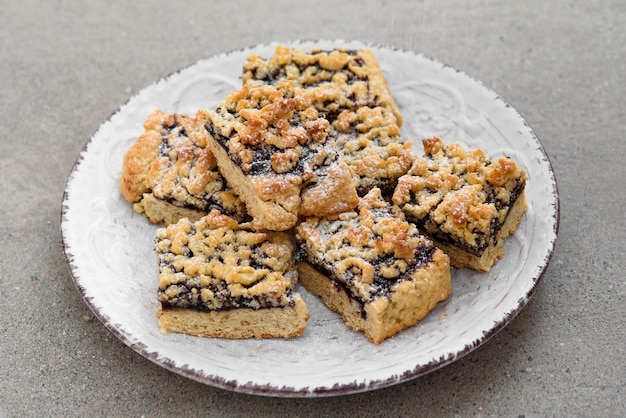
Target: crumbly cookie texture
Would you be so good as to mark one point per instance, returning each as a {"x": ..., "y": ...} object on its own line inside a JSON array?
[
  {"x": 169, "y": 174},
  {"x": 348, "y": 88},
  {"x": 279, "y": 155},
  {"x": 467, "y": 203},
  {"x": 372, "y": 267},
  {"x": 218, "y": 279}
]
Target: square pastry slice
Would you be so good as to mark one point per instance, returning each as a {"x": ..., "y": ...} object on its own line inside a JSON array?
[
  {"x": 217, "y": 279},
  {"x": 349, "y": 89},
  {"x": 372, "y": 267},
  {"x": 169, "y": 174},
  {"x": 278, "y": 154},
  {"x": 465, "y": 202}
]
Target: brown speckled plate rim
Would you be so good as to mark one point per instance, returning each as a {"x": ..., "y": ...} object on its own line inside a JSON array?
[{"x": 337, "y": 389}]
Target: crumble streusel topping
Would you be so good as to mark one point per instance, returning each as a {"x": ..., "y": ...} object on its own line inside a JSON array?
[
  {"x": 215, "y": 264},
  {"x": 337, "y": 80},
  {"x": 370, "y": 143},
  {"x": 459, "y": 195},
  {"x": 265, "y": 132}
]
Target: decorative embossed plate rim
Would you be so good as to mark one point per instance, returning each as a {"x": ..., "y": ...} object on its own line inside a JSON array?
[{"x": 109, "y": 249}]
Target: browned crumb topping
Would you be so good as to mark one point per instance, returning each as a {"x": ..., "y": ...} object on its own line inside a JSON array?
[
  {"x": 215, "y": 264},
  {"x": 459, "y": 196},
  {"x": 348, "y": 88},
  {"x": 337, "y": 80},
  {"x": 266, "y": 132},
  {"x": 367, "y": 251},
  {"x": 171, "y": 161},
  {"x": 372, "y": 147}
]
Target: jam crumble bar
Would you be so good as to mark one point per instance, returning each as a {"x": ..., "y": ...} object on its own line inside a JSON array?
[
  {"x": 348, "y": 88},
  {"x": 372, "y": 267},
  {"x": 278, "y": 153},
  {"x": 467, "y": 203},
  {"x": 218, "y": 279},
  {"x": 340, "y": 79},
  {"x": 169, "y": 174}
]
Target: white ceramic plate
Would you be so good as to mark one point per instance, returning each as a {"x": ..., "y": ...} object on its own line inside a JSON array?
[{"x": 109, "y": 249}]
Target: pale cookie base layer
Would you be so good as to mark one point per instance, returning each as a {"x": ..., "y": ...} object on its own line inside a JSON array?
[
  {"x": 157, "y": 211},
  {"x": 409, "y": 301},
  {"x": 460, "y": 258},
  {"x": 285, "y": 322}
]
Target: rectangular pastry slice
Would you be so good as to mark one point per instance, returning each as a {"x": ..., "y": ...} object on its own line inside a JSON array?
[
  {"x": 169, "y": 174},
  {"x": 271, "y": 150},
  {"x": 218, "y": 279},
  {"x": 339, "y": 79},
  {"x": 349, "y": 90},
  {"x": 465, "y": 202},
  {"x": 372, "y": 267}
]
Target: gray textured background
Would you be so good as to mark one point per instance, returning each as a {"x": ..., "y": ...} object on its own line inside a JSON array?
[{"x": 65, "y": 67}]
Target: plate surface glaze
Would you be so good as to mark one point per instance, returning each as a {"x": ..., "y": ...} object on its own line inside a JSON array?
[{"x": 109, "y": 248}]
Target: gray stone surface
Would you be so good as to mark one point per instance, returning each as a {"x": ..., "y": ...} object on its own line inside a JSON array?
[{"x": 65, "y": 67}]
